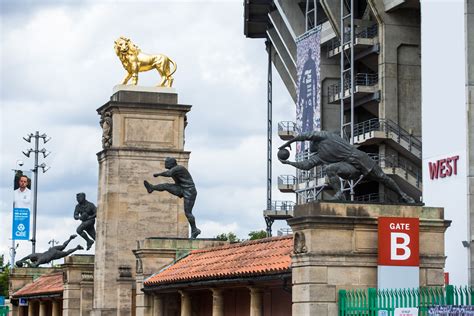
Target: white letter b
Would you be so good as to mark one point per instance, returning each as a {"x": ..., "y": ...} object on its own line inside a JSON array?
[{"x": 394, "y": 246}]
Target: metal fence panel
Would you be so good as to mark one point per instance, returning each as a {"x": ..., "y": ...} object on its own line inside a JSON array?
[{"x": 369, "y": 302}]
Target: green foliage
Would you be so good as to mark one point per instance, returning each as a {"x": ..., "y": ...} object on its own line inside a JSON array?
[
  {"x": 4, "y": 273},
  {"x": 258, "y": 234},
  {"x": 228, "y": 237}
]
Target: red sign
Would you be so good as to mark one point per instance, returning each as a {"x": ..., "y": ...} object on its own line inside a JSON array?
[
  {"x": 443, "y": 168},
  {"x": 399, "y": 241}
]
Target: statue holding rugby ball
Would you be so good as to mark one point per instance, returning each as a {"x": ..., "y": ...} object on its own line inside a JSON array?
[{"x": 342, "y": 161}]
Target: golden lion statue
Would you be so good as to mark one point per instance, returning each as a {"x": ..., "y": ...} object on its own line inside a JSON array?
[{"x": 134, "y": 61}]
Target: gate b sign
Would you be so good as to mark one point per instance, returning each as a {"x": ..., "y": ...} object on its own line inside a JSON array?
[{"x": 399, "y": 241}]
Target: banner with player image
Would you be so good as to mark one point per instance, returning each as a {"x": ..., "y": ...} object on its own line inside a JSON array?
[
  {"x": 308, "y": 90},
  {"x": 22, "y": 205}
]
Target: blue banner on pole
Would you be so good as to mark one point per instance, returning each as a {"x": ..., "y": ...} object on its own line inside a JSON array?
[{"x": 21, "y": 224}]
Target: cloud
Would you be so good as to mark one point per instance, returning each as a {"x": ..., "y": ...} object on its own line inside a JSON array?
[{"x": 58, "y": 66}]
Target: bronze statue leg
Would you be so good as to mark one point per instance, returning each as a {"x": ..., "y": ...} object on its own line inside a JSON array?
[
  {"x": 64, "y": 245},
  {"x": 378, "y": 175},
  {"x": 340, "y": 170},
  {"x": 81, "y": 230},
  {"x": 61, "y": 254},
  {"x": 91, "y": 230},
  {"x": 189, "y": 200},
  {"x": 171, "y": 188}
]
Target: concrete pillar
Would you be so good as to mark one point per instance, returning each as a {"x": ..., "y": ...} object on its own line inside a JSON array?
[
  {"x": 31, "y": 308},
  {"x": 185, "y": 304},
  {"x": 256, "y": 301},
  {"x": 217, "y": 302},
  {"x": 42, "y": 311},
  {"x": 158, "y": 305},
  {"x": 56, "y": 308}
]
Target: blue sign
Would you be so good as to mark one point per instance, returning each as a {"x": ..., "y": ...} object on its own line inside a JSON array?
[
  {"x": 21, "y": 224},
  {"x": 2, "y": 300}
]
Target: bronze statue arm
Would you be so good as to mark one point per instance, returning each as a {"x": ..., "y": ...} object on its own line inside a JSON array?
[
  {"x": 76, "y": 213},
  {"x": 166, "y": 173},
  {"x": 304, "y": 137},
  {"x": 307, "y": 164}
]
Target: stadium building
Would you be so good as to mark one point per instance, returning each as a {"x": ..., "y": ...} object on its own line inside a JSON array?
[{"x": 393, "y": 58}]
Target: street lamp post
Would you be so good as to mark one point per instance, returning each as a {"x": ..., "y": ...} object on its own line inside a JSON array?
[
  {"x": 53, "y": 242},
  {"x": 43, "y": 166}
]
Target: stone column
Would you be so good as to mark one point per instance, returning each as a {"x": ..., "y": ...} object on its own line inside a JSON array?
[
  {"x": 56, "y": 309},
  {"x": 256, "y": 301},
  {"x": 42, "y": 309},
  {"x": 143, "y": 301},
  {"x": 141, "y": 128},
  {"x": 185, "y": 304},
  {"x": 217, "y": 302},
  {"x": 31, "y": 307},
  {"x": 158, "y": 305},
  {"x": 125, "y": 285}
]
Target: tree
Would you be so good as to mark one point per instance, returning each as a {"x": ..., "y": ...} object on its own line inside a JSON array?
[
  {"x": 258, "y": 234},
  {"x": 228, "y": 237},
  {"x": 4, "y": 273}
]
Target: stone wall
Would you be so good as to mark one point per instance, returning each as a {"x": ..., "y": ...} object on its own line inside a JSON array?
[{"x": 336, "y": 248}]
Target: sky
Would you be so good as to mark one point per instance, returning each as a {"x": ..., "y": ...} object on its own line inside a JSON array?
[{"x": 58, "y": 66}]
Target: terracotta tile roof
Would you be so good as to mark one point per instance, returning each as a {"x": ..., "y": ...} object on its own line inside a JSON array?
[
  {"x": 251, "y": 258},
  {"x": 44, "y": 285}
]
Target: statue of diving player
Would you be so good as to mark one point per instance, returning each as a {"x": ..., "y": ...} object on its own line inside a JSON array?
[
  {"x": 53, "y": 253},
  {"x": 183, "y": 188},
  {"x": 343, "y": 161}
]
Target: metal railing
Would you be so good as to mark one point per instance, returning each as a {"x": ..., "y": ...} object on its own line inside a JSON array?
[
  {"x": 361, "y": 79},
  {"x": 372, "y": 197},
  {"x": 283, "y": 206},
  {"x": 394, "y": 162},
  {"x": 429, "y": 301},
  {"x": 368, "y": 32},
  {"x": 385, "y": 161},
  {"x": 397, "y": 162},
  {"x": 286, "y": 180},
  {"x": 303, "y": 176},
  {"x": 388, "y": 126},
  {"x": 4, "y": 310},
  {"x": 288, "y": 127},
  {"x": 284, "y": 232}
]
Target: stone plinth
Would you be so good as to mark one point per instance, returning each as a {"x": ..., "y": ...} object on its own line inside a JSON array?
[
  {"x": 336, "y": 248},
  {"x": 145, "y": 128},
  {"x": 78, "y": 271}
]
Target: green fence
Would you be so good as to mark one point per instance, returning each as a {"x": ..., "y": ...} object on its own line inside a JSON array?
[
  {"x": 369, "y": 302},
  {"x": 3, "y": 310}
]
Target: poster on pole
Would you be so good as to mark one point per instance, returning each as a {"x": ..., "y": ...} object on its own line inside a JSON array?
[
  {"x": 308, "y": 90},
  {"x": 21, "y": 224},
  {"x": 22, "y": 205}
]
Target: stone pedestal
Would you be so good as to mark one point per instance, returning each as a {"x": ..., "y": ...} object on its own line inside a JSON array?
[
  {"x": 336, "y": 248},
  {"x": 78, "y": 271},
  {"x": 141, "y": 129}
]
